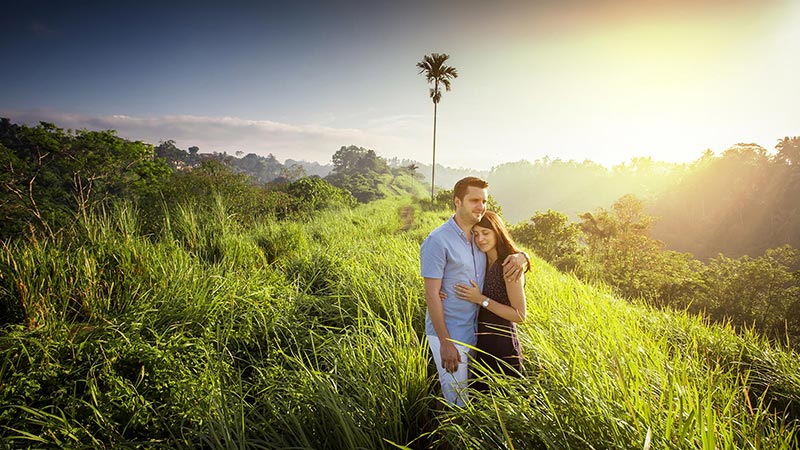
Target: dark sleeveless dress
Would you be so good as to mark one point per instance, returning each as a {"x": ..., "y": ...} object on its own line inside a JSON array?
[{"x": 498, "y": 336}]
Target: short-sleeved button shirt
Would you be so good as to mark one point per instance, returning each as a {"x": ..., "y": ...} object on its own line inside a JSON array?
[{"x": 448, "y": 254}]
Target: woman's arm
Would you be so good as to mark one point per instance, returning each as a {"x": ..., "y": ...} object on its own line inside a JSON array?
[{"x": 516, "y": 294}]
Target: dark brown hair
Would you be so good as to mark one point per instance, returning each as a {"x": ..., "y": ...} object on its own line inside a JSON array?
[
  {"x": 460, "y": 189},
  {"x": 505, "y": 245}
]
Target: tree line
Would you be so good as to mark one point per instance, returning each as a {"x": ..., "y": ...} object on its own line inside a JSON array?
[
  {"x": 740, "y": 202},
  {"x": 52, "y": 177}
]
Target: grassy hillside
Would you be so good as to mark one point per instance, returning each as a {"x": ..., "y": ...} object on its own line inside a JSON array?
[
  {"x": 393, "y": 185},
  {"x": 309, "y": 335}
]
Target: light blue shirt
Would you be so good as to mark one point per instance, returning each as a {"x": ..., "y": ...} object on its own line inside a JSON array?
[{"x": 449, "y": 255}]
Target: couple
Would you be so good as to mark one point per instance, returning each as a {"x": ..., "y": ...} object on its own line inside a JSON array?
[{"x": 470, "y": 264}]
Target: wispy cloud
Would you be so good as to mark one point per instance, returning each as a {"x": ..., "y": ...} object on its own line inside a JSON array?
[
  {"x": 393, "y": 124},
  {"x": 230, "y": 134}
]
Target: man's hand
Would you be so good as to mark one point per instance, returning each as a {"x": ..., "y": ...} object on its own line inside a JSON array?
[
  {"x": 451, "y": 357},
  {"x": 514, "y": 266}
]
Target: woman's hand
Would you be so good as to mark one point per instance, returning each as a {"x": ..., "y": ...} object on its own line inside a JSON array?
[{"x": 469, "y": 293}]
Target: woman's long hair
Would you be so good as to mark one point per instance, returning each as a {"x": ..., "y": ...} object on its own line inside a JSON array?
[{"x": 505, "y": 245}]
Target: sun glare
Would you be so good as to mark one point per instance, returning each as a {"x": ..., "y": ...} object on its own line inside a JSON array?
[{"x": 668, "y": 87}]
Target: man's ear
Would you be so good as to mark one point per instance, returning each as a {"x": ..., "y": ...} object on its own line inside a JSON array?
[{"x": 456, "y": 202}]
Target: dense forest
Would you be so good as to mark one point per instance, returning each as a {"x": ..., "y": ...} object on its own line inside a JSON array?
[{"x": 147, "y": 304}]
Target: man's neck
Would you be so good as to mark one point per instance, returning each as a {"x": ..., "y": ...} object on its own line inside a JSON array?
[{"x": 467, "y": 229}]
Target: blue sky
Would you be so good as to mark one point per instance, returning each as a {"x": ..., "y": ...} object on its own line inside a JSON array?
[{"x": 603, "y": 80}]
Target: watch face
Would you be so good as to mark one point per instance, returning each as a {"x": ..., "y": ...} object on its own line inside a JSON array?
[{"x": 485, "y": 303}]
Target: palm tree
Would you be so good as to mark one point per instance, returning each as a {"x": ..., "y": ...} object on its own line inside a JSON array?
[{"x": 436, "y": 72}]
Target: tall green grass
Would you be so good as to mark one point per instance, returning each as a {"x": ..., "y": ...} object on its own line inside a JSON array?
[
  {"x": 605, "y": 374},
  {"x": 210, "y": 334}
]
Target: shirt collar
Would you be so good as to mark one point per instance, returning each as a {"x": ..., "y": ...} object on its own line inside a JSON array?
[{"x": 457, "y": 228}]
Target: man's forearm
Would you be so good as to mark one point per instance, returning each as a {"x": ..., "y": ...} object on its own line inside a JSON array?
[
  {"x": 436, "y": 313},
  {"x": 527, "y": 265},
  {"x": 435, "y": 308}
]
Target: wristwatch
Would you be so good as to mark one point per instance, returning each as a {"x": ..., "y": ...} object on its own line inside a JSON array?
[{"x": 485, "y": 302}]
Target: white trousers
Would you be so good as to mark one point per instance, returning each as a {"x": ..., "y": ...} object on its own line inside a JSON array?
[{"x": 454, "y": 384}]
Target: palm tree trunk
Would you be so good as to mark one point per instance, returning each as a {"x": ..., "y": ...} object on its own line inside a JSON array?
[{"x": 433, "y": 167}]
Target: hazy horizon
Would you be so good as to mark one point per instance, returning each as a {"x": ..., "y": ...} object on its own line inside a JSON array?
[{"x": 604, "y": 81}]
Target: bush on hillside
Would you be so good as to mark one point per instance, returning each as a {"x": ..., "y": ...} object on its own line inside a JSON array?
[
  {"x": 315, "y": 194},
  {"x": 552, "y": 237},
  {"x": 50, "y": 175}
]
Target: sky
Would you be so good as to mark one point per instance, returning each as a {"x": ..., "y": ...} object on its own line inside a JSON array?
[{"x": 604, "y": 80}]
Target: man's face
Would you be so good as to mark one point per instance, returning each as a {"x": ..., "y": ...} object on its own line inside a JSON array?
[{"x": 470, "y": 210}]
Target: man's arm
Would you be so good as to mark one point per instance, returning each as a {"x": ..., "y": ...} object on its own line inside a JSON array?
[
  {"x": 449, "y": 352},
  {"x": 515, "y": 266}
]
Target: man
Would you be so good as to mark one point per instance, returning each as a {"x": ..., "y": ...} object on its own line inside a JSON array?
[{"x": 449, "y": 256}]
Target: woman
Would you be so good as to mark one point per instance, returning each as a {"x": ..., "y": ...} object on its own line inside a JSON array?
[{"x": 502, "y": 301}]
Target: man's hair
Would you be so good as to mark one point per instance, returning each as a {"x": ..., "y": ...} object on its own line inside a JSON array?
[{"x": 460, "y": 189}]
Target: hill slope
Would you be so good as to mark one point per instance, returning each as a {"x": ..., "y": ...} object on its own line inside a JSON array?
[{"x": 309, "y": 335}]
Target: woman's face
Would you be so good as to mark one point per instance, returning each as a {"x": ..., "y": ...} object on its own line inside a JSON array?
[{"x": 486, "y": 238}]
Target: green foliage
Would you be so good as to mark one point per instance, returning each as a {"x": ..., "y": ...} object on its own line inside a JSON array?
[
  {"x": 552, "y": 237},
  {"x": 292, "y": 172},
  {"x": 315, "y": 194},
  {"x": 280, "y": 240},
  {"x": 761, "y": 292},
  {"x": 624, "y": 256},
  {"x": 358, "y": 171},
  {"x": 248, "y": 203},
  {"x": 261, "y": 169},
  {"x": 213, "y": 179},
  {"x": 404, "y": 184},
  {"x": 352, "y": 160},
  {"x": 365, "y": 188},
  {"x": 176, "y": 158},
  {"x": 444, "y": 199},
  {"x": 411, "y": 170},
  {"x": 51, "y": 175},
  {"x": 258, "y": 168},
  {"x": 368, "y": 177}
]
